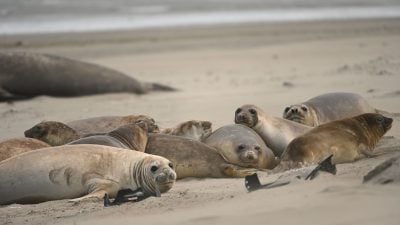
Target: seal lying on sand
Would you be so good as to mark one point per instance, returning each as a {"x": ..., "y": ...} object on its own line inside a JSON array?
[
  {"x": 194, "y": 129},
  {"x": 328, "y": 107},
  {"x": 52, "y": 132},
  {"x": 25, "y": 75},
  {"x": 276, "y": 132},
  {"x": 73, "y": 171},
  {"x": 105, "y": 124},
  {"x": 242, "y": 146},
  {"x": 348, "y": 140},
  {"x": 131, "y": 136},
  {"x": 16, "y": 146},
  {"x": 192, "y": 158}
]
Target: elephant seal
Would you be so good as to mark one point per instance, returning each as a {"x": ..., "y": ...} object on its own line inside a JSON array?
[
  {"x": 348, "y": 140},
  {"x": 240, "y": 145},
  {"x": 79, "y": 172},
  {"x": 193, "y": 158},
  {"x": 16, "y": 146},
  {"x": 25, "y": 75},
  {"x": 53, "y": 133},
  {"x": 130, "y": 136},
  {"x": 195, "y": 129},
  {"x": 276, "y": 132},
  {"x": 105, "y": 124},
  {"x": 328, "y": 107}
]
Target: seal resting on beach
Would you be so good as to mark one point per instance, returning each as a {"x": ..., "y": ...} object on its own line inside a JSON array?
[
  {"x": 53, "y": 133},
  {"x": 25, "y": 75},
  {"x": 130, "y": 136},
  {"x": 348, "y": 140},
  {"x": 79, "y": 172},
  {"x": 328, "y": 107},
  {"x": 195, "y": 129},
  {"x": 276, "y": 132},
  {"x": 240, "y": 145},
  {"x": 105, "y": 124},
  {"x": 193, "y": 158},
  {"x": 16, "y": 146}
]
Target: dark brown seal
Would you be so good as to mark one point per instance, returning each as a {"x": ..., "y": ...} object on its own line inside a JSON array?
[
  {"x": 25, "y": 75},
  {"x": 16, "y": 146},
  {"x": 131, "y": 136},
  {"x": 53, "y": 133},
  {"x": 105, "y": 124},
  {"x": 328, "y": 107},
  {"x": 192, "y": 158},
  {"x": 348, "y": 140}
]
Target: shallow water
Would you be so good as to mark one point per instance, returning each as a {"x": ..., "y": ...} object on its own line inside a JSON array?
[{"x": 52, "y": 16}]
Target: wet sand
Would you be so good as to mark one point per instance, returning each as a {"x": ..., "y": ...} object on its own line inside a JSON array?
[{"x": 218, "y": 69}]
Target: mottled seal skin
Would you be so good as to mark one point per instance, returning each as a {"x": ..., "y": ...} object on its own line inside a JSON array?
[
  {"x": 105, "y": 124},
  {"x": 242, "y": 146},
  {"x": 25, "y": 75},
  {"x": 131, "y": 136},
  {"x": 193, "y": 158},
  {"x": 16, "y": 146},
  {"x": 328, "y": 107},
  {"x": 195, "y": 129},
  {"x": 348, "y": 140},
  {"x": 53, "y": 133},
  {"x": 276, "y": 132},
  {"x": 79, "y": 172}
]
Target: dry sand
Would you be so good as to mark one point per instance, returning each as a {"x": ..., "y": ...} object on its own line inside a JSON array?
[{"x": 217, "y": 70}]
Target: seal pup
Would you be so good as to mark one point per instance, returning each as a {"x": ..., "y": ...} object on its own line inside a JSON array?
[
  {"x": 328, "y": 107},
  {"x": 130, "y": 136},
  {"x": 79, "y": 172},
  {"x": 276, "y": 132},
  {"x": 16, "y": 146},
  {"x": 240, "y": 145},
  {"x": 25, "y": 75},
  {"x": 193, "y": 158},
  {"x": 195, "y": 129},
  {"x": 53, "y": 133},
  {"x": 105, "y": 124},
  {"x": 348, "y": 140}
]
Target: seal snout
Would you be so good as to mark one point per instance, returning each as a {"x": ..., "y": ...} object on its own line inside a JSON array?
[{"x": 387, "y": 123}]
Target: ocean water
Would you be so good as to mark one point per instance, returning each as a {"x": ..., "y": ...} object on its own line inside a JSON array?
[{"x": 55, "y": 16}]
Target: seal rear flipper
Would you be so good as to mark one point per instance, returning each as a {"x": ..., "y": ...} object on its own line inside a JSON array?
[
  {"x": 98, "y": 195},
  {"x": 231, "y": 170},
  {"x": 157, "y": 87}
]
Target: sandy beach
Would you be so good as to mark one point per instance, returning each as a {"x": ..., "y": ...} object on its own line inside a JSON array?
[{"x": 216, "y": 70}]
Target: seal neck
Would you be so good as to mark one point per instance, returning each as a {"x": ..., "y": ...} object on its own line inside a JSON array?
[{"x": 143, "y": 178}]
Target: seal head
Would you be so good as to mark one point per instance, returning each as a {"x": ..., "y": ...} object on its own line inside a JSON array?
[
  {"x": 300, "y": 114},
  {"x": 52, "y": 132},
  {"x": 246, "y": 115},
  {"x": 154, "y": 173}
]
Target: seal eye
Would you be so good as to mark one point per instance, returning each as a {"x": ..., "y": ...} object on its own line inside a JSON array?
[
  {"x": 154, "y": 169},
  {"x": 238, "y": 110},
  {"x": 287, "y": 109},
  {"x": 379, "y": 119},
  {"x": 170, "y": 165},
  {"x": 252, "y": 111},
  {"x": 257, "y": 148},
  {"x": 241, "y": 147},
  {"x": 304, "y": 108}
]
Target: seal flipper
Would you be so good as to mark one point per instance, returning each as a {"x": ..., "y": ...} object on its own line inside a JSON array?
[
  {"x": 157, "y": 87},
  {"x": 325, "y": 165},
  {"x": 231, "y": 170}
]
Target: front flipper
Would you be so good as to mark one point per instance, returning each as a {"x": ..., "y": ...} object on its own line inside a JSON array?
[{"x": 231, "y": 170}]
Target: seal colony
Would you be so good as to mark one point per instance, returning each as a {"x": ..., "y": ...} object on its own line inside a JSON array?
[{"x": 25, "y": 75}]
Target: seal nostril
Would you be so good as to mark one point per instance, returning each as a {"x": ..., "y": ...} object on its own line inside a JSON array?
[{"x": 294, "y": 110}]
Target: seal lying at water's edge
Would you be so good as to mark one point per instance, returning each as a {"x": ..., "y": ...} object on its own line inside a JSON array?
[
  {"x": 193, "y": 158},
  {"x": 240, "y": 145},
  {"x": 105, "y": 124},
  {"x": 131, "y": 136},
  {"x": 73, "y": 171},
  {"x": 16, "y": 146},
  {"x": 328, "y": 107},
  {"x": 24, "y": 75},
  {"x": 348, "y": 140},
  {"x": 53, "y": 133},
  {"x": 276, "y": 132},
  {"x": 195, "y": 129}
]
